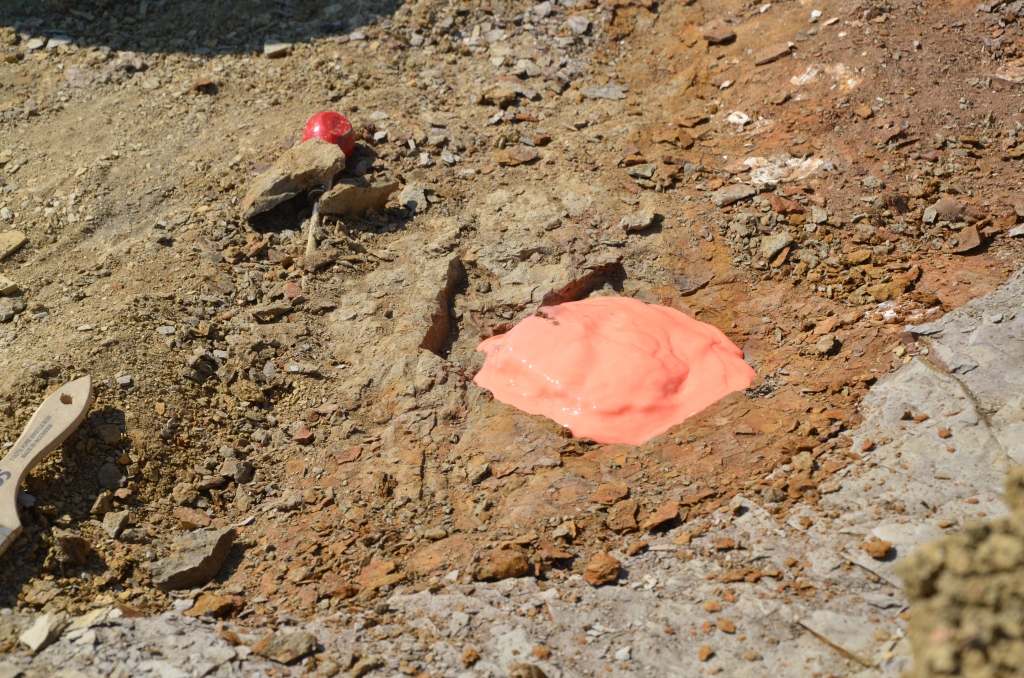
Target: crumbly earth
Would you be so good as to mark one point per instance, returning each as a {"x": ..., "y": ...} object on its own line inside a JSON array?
[
  {"x": 809, "y": 199},
  {"x": 967, "y": 596}
]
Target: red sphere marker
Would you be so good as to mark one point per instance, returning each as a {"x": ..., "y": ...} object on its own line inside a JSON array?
[{"x": 333, "y": 128}]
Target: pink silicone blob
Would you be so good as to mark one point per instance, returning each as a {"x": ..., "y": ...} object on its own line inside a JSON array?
[{"x": 612, "y": 369}]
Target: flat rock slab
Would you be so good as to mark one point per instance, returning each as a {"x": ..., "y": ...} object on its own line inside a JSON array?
[
  {"x": 733, "y": 193},
  {"x": 10, "y": 242},
  {"x": 347, "y": 198},
  {"x": 44, "y": 631},
  {"x": 719, "y": 35},
  {"x": 195, "y": 559},
  {"x": 852, "y": 636},
  {"x": 298, "y": 169},
  {"x": 7, "y": 286},
  {"x": 773, "y": 54},
  {"x": 286, "y": 648},
  {"x": 637, "y": 221},
  {"x": 610, "y": 92}
]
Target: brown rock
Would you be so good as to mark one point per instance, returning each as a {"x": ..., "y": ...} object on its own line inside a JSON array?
[
  {"x": 668, "y": 512},
  {"x": 877, "y": 548},
  {"x": 303, "y": 437},
  {"x": 214, "y": 605},
  {"x": 469, "y": 657},
  {"x": 70, "y": 548},
  {"x": 541, "y": 652},
  {"x": 773, "y": 53},
  {"x": 726, "y": 625},
  {"x": 602, "y": 569},
  {"x": 801, "y": 151},
  {"x": 827, "y": 325},
  {"x": 502, "y": 564},
  {"x": 622, "y": 516},
  {"x": 298, "y": 169},
  {"x": 636, "y": 547},
  {"x": 712, "y": 606},
  {"x": 968, "y": 239},
  {"x": 858, "y": 257},
  {"x": 516, "y": 155},
  {"x": 725, "y": 544},
  {"x": 364, "y": 666},
  {"x": 945, "y": 433},
  {"x": 286, "y": 648},
  {"x": 524, "y": 670},
  {"x": 719, "y": 34},
  {"x": 864, "y": 112},
  {"x": 500, "y": 96},
  {"x": 333, "y": 585},
  {"x": 190, "y": 518},
  {"x": 609, "y": 493},
  {"x": 376, "y": 569},
  {"x": 784, "y": 205},
  {"x": 293, "y": 292},
  {"x": 948, "y": 208},
  {"x": 705, "y": 653}
]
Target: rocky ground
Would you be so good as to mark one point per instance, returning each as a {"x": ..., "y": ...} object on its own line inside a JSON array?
[{"x": 288, "y": 470}]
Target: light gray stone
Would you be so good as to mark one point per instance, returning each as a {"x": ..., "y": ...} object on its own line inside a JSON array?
[
  {"x": 194, "y": 560},
  {"x": 637, "y": 221}
]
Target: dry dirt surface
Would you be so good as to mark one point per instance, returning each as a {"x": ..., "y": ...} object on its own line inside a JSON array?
[{"x": 808, "y": 181}]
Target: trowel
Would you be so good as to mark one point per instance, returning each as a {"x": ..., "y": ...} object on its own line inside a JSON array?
[{"x": 53, "y": 422}]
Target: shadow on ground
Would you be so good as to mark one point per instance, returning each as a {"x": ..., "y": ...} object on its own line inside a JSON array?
[{"x": 190, "y": 26}]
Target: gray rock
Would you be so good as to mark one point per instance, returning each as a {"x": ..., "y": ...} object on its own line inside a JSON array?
[
  {"x": 104, "y": 504},
  {"x": 644, "y": 171},
  {"x": 413, "y": 198},
  {"x": 578, "y": 24},
  {"x": 348, "y": 198},
  {"x": 954, "y": 361},
  {"x": 727, "y": 195},
  {"x": 276, "y": 50},
  {"x": 135, "y": 535},
  {"x": 47, "y": 629},
  {"x": 195, "y": 559},
  {"x": 609, "y": 91},
  {"x": 110, "y": 434},
  {"x": 477, "y": 470},
  {"x": 299, "y": 169},
  {"x": 109, "y": 476},
  {"x": 826, "y": 344},
  {"x": 114, "y": 523},
  {"x": 10, "y": 307},
  {"x": 854, "y": 635},
  {"x": 637, "y": 221},
  {"x": 930, "y": 216},
  {"x": 238, "y": 469},
  {"x": 872, "y": 182},
  {"x": 773, "y": 244},
  {"x": 69, "y": 547}
]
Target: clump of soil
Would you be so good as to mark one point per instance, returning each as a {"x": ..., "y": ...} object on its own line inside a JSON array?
[{"x": 967, "y": 596}]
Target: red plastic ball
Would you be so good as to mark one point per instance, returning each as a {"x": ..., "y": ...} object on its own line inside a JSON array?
[{"x": 333, "y": 128}]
